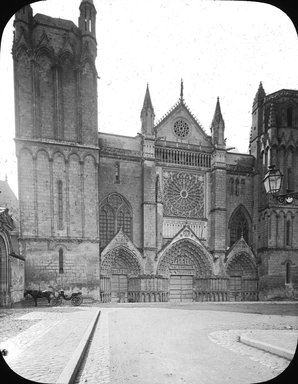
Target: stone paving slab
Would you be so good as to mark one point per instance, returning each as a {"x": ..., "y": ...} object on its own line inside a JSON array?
[
  {"x": 280, "y": 342},
  {"x": 41, "y": 352}
]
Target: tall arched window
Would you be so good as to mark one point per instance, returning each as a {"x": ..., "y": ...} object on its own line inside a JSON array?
[
  {"x": 289, "y": 116},
  {"x": 288, "y": 233},
  {"x": 114, "y": 213},
  {"x": 61, "y": 261},
  {"x": 239, "y": 226},
  {"x": 237, "y": 187},
  {"x": 288, "y": 272},
  {"x": 289, "y": 179}
]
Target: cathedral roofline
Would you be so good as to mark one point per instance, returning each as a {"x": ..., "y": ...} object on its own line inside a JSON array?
[
  {"x": 55, "y": 22},
  {"x": 117, "y": 135},
  {"x": 280, "y": 93}
]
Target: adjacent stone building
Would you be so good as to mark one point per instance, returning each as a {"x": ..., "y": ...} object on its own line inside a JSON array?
[
  {"x": 11, "y": 263},
  {"x": 170, "y": 214}
]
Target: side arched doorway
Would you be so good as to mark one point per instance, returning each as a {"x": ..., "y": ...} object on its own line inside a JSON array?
[
  {"x": 118, "y": 266},
  {"x": 183, "y": 263},
  {"x": 243, "y": 279}
]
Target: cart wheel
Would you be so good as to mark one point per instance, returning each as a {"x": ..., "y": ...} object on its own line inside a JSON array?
[{"x": 77, "y": 300}]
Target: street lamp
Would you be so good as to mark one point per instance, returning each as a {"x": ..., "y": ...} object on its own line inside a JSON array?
[{"x": 272, "y": 183}]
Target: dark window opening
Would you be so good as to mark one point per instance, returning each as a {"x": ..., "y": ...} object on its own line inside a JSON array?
[
  {"x": 117, "y": 173},
  {"x": 288, "y": 273},
  {"x": 239, "y": 227},
  {"x": 288, "y": 233},
  {"x": 289, "y": 116},
  {"x": 61, "y": 261},
  {"x": 289, "y": 179}
]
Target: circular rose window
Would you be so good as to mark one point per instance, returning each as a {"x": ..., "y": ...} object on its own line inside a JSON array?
[{"x": 181, "y": 129}]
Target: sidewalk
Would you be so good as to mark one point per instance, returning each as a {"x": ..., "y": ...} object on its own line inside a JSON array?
[
  {"x": 51, "y": 348},
  {"x": 279, "y": 342}
]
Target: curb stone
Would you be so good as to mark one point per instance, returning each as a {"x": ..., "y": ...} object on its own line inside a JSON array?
[
  {"x": 69, "y": 372},
  {"x": 279, "y": 351}
]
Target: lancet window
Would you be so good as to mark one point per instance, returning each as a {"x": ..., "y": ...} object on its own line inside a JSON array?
[
  {"x": 239, "y": 226},
  {"x": 115, "y": 213}
]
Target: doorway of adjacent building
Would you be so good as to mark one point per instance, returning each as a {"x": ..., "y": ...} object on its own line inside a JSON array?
[
  {"x": 119, "y": 285},
  {"x": 181, "y": 288}
]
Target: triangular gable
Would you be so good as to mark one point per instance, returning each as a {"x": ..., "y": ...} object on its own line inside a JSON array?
[
  {"x": 67, "y": 48},
  {"x": 121, "y": 239},
  {"x": 180, "y": 111},
  {"x": 238, "y": 247},
  {"x": 185, "y": 233}
]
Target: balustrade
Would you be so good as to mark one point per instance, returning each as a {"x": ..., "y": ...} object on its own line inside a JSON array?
[{"x": 183, "y": 157}]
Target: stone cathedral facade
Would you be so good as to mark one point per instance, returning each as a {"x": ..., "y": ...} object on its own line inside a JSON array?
[{"x": 168, "y": 215}]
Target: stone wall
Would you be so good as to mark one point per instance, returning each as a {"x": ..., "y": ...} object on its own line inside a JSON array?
[{"x": 17, "y": 279}]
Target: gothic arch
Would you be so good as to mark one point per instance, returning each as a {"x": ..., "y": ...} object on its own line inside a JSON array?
[
  {"x": 186, "y": 253},
  {"x": 243, "y": 264},
  {"x": 123, "y": 259},
  {"x": 115, "y": 212},
  {"x": 239, "y": 224}
]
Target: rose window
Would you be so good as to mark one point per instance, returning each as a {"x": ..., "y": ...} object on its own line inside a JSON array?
[
  {"x": 181, "y": 129},
  {"x": 183, "y": 195}
]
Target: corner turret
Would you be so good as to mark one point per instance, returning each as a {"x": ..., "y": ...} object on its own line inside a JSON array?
[{"x": 87, "y": 18}]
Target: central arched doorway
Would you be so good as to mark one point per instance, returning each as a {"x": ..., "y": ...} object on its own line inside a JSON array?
[
  {"x": 119, "y": 265},
  {"x": 182, "y": 264}
]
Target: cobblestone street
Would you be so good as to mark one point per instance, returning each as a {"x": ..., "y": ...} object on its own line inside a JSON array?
[{"x": 147, "y": 343}]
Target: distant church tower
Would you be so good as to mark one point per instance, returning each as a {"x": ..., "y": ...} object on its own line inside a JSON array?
[{"x": 57, "y": 146}]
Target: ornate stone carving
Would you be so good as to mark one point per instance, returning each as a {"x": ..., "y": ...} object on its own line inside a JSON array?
[{"x": 183, "y": 194}]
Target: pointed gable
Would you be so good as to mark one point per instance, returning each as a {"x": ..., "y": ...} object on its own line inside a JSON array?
[
  {"x": 121, "y": 240},
  {"x": 179, "y": 124},
  {"x": 185, "y": 233}
]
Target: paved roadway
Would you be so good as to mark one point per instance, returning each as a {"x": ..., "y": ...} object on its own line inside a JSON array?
[{"x": 196, "y": 343}]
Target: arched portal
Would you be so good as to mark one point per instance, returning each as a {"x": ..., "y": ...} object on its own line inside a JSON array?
[
  {"x": 120, "y": 264},
  {"x": 182, "y": 264},
  {"x": 242, "y": 270}
]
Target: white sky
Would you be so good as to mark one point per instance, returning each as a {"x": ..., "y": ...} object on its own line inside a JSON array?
[{"x": 219, "y": 48}]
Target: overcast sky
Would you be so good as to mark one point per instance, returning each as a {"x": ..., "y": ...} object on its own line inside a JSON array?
[{"x": 219, "y": 48}]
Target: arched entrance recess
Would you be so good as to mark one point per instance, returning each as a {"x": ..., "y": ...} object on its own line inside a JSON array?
[
  {"x": 242, "y": 270},
  {"x": 119, "y": 264},
  {"x": 182, "y": 263}
]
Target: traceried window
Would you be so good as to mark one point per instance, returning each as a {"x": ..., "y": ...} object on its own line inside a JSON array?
[
  {"x": 239, "y": 227},
  {"x": 115, "y": 213},
  {"x": 181, "y": 129}
]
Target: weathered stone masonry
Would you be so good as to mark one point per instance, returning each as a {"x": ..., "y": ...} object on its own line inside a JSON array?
[{"x": 170, "y": 214}]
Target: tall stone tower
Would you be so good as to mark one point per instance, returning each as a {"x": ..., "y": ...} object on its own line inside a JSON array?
[
  {"x": 274, "y": 141},
  {"x": 57, "y": 147}
]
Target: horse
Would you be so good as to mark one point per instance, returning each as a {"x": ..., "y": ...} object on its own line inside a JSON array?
[{"x": 37, "y": 294}]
